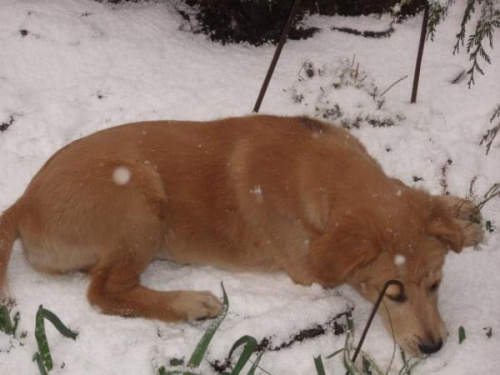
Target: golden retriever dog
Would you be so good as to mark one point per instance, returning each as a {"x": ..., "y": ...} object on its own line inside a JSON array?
[{"x": 260, "y": 193}]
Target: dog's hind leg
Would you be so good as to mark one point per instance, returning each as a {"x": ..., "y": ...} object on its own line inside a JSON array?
[
  {"x": 108, "y": 217},
  {"x": 116, "y": 290},
  {"x": 8, "y": 233},
  {"x": 115, "y": 287}
]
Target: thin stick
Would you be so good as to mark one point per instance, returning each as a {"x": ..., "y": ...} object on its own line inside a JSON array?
[
  {"x": 394, "y": 84},
  {"x": 274, "y": 61},
  {"x": 374, "y": 311},
  {"x": 493, "y": 192},
  {"x": 420, "y": 53}
]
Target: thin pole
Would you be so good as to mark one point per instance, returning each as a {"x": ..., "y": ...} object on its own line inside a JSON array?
[
  {"x": 420, "y": 53},
  {"x": 374, "y": 311},
  {"x": 274, "y": 61}
]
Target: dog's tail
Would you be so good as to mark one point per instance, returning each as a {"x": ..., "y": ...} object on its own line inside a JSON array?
[{"x": 8, "y": 233}]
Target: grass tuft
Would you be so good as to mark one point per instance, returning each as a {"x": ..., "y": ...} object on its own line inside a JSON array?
[
  {"x": 249, "y": 344},
  {"x": 461, "y": 334},
  {"x": 43, "y": 357},
  {"x": 368, "y": 365},
  {"x": 8, "y": 324},
  {"x": 176, "y": 365},
  {"x": 202, "y": 346}
]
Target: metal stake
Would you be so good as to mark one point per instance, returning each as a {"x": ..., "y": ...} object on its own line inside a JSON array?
[
  {"x": 281, "y": 42},
  {"x": 420, "y": 53},
  {"x": 374, "y": 311}
]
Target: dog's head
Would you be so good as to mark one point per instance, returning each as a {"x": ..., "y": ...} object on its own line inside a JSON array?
[
  {"x": 410, "y": 313},
  {"x": 402, "y": 243}
]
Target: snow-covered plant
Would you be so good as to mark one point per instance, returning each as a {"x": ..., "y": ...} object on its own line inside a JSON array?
[
  {"x": 344, "y": 93},
  {"x": 368, "y": 365},
  {"x": 486, "y": 23},
  {"x": 8, "y": 324}
]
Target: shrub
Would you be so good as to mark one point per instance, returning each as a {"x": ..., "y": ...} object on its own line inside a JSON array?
[{"x": 261, "y": 21}]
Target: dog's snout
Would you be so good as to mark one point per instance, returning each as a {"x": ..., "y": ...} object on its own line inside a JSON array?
[{"x": 430, "y": 348}]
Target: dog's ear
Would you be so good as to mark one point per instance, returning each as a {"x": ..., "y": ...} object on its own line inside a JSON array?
[
  {"x": 338, "y": 253},
  {"x": 443, "y": 227}
]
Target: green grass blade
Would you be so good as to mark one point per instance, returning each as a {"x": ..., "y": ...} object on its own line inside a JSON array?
[
  {"x": 372, "y": 364},
  {"x": 17, "y": 318},
  {"x": 405, "y": 362},
  {"x": 366, "y": 365},
  {"x": 414, "y": 364},
  {"x": 318, "y": 363},
  {"x": 41, "y": 340},
  {"x": 349, "y": 337},
  {"x": 350, "y": 366},
  {"x": 58, "y": 324},
  {"x": 348, "y": 347},
  {"x": 41, "y": 336},
  {"x": 335, "y": 353},
  {"x": 202, "y": 346},
  {"x": 255, "y": 364},
  {"x": 409, "y": 366},
  {"x": 5, "y": 322},
  {"x": 249, "y": 343},
  {"x": 350, "y": 321},
  {"x": 461, "y": 334},
  {"x": 38, "y": 359}
]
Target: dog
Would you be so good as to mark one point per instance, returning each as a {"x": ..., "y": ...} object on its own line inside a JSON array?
[{"x": 261, "y": 193}]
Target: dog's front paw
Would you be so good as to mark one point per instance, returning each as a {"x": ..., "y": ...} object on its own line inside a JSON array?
[
  {"x": 461, "y": 209},
  {"x": 199, "y": 305},
  {"x": 473, "y": 233}
]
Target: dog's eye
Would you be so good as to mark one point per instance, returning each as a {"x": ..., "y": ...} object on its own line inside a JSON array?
[
  {"x": 434, "y": 287},
  {"x": 400, "y": 298}
]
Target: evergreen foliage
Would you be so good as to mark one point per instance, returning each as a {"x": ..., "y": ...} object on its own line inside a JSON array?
[
  {"x": 487, "y": 20},
  {"x": 261, "y": 21},
  {"x": 491, "y": 134}
]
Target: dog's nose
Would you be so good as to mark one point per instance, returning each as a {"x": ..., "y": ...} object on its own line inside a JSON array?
[{"x": 429, "y": 349}]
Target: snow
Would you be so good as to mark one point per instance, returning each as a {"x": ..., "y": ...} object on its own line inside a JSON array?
[
  {"x": 257, "y": 192},
  {"x": 399, "y": 260},
  {"x": 121, "y": 175},
  {"x": 71, "y": 67}
]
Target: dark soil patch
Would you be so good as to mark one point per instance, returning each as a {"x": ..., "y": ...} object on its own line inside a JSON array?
[
  {"x": 5, "y": 125},
  {"x": 366, "y": 34},
  {"x": 334, "y": 325}
]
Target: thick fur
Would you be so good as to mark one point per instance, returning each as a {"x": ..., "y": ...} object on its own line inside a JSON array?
[{"x": 257, "y": 193}]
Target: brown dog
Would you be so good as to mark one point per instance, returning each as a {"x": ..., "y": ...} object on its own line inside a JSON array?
[{"x": 262, "y": 192}]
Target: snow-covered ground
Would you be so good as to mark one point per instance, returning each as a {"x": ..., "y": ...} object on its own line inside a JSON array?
[{"x": 71, "y": 67}]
